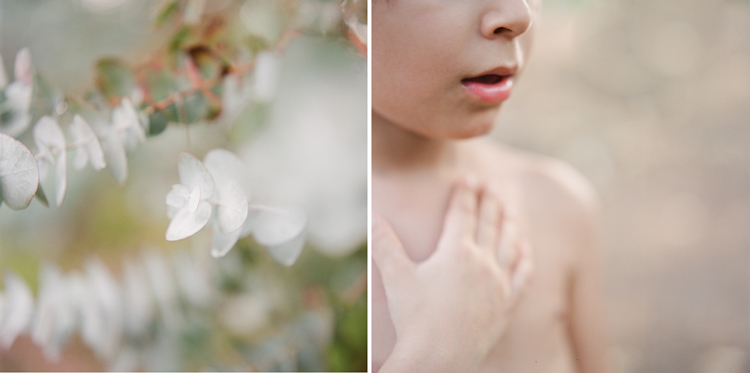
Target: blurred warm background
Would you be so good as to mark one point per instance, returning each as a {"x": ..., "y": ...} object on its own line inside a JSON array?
[
  {"x": 650, "y": 100},
  {"x": 142, "y": 303}
]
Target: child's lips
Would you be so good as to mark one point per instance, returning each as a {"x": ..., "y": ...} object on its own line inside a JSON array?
[{"x": 489, "y": 88}]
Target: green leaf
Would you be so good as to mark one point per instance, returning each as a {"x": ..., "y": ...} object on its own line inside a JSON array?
[
  {"x": 166, "y": 12},
  {"x": 179, "y": 39},
  {"x": 197, "y": 108},
  {"x": 114, "y": 78},
  {"x": 158, "y": 121},
  {"x": 161, "y": 84}
]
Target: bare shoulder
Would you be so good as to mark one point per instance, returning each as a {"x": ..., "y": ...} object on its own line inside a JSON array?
[{"x": 549, "y": 184}]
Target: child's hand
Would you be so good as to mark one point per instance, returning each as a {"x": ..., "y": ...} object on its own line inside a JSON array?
[{"x": 449, "y": 310}]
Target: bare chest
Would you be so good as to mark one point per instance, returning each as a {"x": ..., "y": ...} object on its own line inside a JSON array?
[{"x": 537, "y": 335}]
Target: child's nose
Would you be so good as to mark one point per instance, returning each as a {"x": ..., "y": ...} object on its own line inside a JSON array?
[{"x": 508, "y": 18}]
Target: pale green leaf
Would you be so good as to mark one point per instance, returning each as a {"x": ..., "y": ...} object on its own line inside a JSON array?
[
  {"x": 18, "y": 309},
  {"x": 105, "y": 289},
  {"x": 227, "y": 170},
  {"x": 288, "y": 252},
  {"x": 224, "y": 165},
  {"x": 231, "y": 211},
  {"x": 50, "y": 141},
  {"x": 194, "y": 173},
  {"x": 178, "y": 196},
  {"x": 88, "y": 149},
  {"x": 222, "y": 243},
  {"x": 114, "y": 155},
  {"x": 127, "y": 124},
  {"x": 194, "y": 199},
  {"x": 282, "y": 231},
  {"x": 19, "y": 175},
  {"x": 14, "y": 112},
  {"x": 22, "y": 69},
  {"x": 185, "y": 224}
]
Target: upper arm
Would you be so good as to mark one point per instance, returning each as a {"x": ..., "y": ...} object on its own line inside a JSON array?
[{"x": 585, "y": 297}]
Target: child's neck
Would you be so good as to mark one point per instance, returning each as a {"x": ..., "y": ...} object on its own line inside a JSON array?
[{"x": 396, "y": 149}]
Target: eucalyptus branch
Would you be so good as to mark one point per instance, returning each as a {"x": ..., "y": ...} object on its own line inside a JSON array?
[{"x": 207, "y": 85}]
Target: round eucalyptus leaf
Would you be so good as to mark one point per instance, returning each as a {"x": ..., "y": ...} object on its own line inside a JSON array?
[
  {"x": 224, "y": 165},
  {"x": 19, "y": 175},
  {"x": 185, "y": 224},
  {"x": 272, "y": 225},
  {"x": 222, "y": 243},
  {"x": 178, "y": 196},
  {"x": 287, "y": 252},
  {"x": 281, "y": 231},
  {"x": 50, "y": 140},
  {"x": 231, "y": 211},
  {"x": 88, "y": 149},
  {"x": 194, "y": 173},
  {"x": 114, "y": 155}
]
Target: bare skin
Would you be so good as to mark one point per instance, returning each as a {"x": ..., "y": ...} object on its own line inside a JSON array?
[
  {"x": 440, "y": 71},
  {"x": 557, "y": 324},
  {"x": 479, "y": 244}
]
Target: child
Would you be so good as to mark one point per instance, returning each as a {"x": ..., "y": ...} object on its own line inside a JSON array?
[{"x": 450, "y": 289}]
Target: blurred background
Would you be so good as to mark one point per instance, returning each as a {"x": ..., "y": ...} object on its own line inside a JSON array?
[
  {"x": 649, "y": 100},
  {"x": 298, "y": 122}
]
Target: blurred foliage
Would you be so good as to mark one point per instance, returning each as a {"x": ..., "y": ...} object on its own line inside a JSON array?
[{"x": 261, "y": 316}]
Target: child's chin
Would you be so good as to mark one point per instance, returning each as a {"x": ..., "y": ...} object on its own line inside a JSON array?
[{"x": 474, "y": 129}]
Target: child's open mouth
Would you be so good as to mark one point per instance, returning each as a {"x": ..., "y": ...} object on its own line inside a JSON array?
[{"x": 489, "y": 88}]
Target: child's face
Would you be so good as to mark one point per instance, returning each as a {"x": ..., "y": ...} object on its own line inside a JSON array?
[{"x": 441, "y": 68}]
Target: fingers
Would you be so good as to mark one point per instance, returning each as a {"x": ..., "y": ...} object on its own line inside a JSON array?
[
  {"x": 388, "y": 252},
  {"x": 490, "y": 220},
  {"x": 461, "y": 218},
  {"x": 507, "y": 250},
  {"x": 524, "y": 268},
  {"x": 515, "y": 254}
]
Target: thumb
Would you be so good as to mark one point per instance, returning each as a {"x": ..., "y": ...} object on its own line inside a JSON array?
[{"x": 388, "y": 252}]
